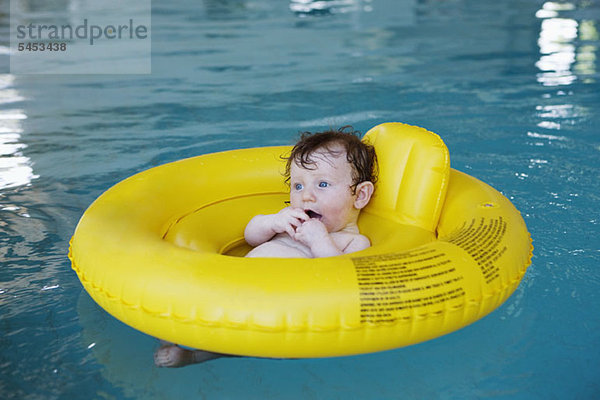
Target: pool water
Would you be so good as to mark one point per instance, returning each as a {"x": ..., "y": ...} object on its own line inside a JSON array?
[{"x": 511, "y": 86}]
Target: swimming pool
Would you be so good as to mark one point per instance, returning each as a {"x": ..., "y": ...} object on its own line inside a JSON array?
[{"x": 512, "y": 87}]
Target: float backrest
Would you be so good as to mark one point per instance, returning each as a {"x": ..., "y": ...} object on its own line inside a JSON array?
[{"x": 414, "y": 168}]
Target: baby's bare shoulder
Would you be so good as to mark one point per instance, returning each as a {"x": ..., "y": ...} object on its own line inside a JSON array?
[{"x": 350, "y": 242}]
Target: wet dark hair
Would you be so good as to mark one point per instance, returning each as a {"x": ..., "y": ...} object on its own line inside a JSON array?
[{"x": 360, "y": 155}]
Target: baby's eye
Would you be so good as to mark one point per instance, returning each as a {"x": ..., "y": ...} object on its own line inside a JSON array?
[
  {"x": 298, "y": 186},
  {"x": 323, "y": 184}
]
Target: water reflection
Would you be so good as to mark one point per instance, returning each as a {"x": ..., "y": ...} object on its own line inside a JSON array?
[
  {"x": 312, "y": 7},
  {"x": 15, "y": 168},
  {"x": 558, "y": 53},
  {"x": 568, "y": 47},
  {"x": 586, "y": 53}
]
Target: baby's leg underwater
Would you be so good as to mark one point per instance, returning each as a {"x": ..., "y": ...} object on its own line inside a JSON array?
[{"x": 172, "y": 356}]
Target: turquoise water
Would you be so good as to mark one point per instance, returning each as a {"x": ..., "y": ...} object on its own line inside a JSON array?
[{"x": 511, "y": 86}]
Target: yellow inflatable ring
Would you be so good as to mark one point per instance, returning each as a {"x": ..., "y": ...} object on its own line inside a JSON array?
[{"x": 161, "y": 251}]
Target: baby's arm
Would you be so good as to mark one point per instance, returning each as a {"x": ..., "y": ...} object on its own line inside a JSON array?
[
  {"x": 325, "y": 247},
  {"x": 314, "y": 235},
  {"x": 262, "y": 228}
]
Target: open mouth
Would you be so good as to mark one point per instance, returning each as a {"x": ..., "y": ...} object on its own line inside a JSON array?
[{"x": 312, "y": 214}]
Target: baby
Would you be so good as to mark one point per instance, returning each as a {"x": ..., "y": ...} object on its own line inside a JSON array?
[{"x": 331, "y": 176}]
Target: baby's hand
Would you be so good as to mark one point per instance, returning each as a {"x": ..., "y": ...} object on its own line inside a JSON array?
[
  {"x": 311, "y": 233},
  {"x": 288, "y": 220}
]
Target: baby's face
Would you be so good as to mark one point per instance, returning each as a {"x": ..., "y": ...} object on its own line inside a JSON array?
[{"x": 325, "y": 192}]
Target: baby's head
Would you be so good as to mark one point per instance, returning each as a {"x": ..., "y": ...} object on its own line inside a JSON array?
[{"x": 331, "y": 176}]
